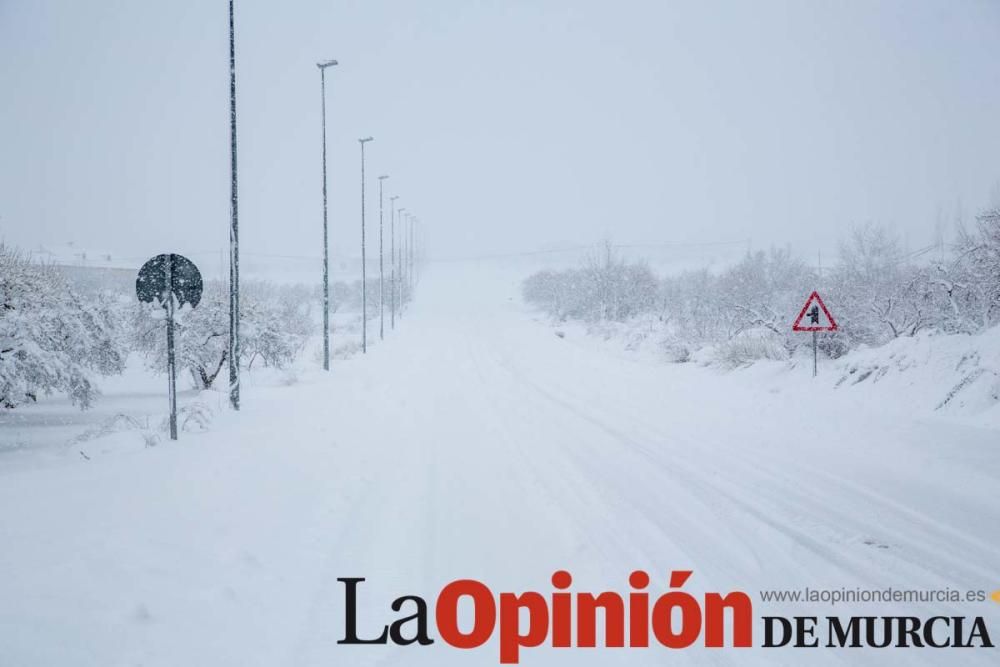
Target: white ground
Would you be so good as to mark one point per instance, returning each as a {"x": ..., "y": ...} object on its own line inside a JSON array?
[{"x": 475, "y": 443}]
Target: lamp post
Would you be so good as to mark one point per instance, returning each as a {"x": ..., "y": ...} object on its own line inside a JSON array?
[
  {"x": 413, "y": 225},
  {"x": 364, "y": 274},
  {"x": 381, "y": 289},
  {"x": 399, "y": 260},
  {"x": 326, "y": 244},
  {"x": 392, "y": 261},
  {"x": 405, "y": 260},
  {"x": 234, "y": 236},
  {"x": 409, "y": 249}
]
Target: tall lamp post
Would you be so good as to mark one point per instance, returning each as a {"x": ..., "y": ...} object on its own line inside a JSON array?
[
  {"x": 403, "y": 279},
  {"x": 409, "y": 252},
  {"x": 364, "y": 272},
  {"x": 399, "y": 261},
  {"x": 381, "y": 289},
  {"x": 234, "y": 236},
  {"x": 413, "y": 226},
  {"x": 392, "y": 261},
  {"x": 326, "y": 244}
]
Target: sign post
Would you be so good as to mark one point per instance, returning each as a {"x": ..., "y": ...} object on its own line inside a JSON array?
[
  {"x": 171, "y": 357},
  {"x": 171, "y": 280},
  {"x": 815, "y": 355},
  {"x": 820, "y": 319}
]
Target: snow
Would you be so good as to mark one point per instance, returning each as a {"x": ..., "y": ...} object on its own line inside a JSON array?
[
  {"x": 952, "y": 377},
  {"x": 476, "y": 443}
]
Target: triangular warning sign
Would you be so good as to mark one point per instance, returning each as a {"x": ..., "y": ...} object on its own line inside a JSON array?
[{"x": 814, "y": 316}]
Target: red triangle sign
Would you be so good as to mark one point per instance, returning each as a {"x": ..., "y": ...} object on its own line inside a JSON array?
[{"x": 814, "y": 316}]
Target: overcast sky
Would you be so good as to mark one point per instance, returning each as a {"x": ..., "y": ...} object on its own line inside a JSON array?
[{"x": 506, "y": 125}]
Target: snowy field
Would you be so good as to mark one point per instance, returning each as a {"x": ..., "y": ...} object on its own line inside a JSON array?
[{"x": 477, "y": 443}]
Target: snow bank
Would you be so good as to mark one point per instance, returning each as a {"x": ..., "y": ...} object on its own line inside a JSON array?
[{"x": 955, "y": 376}]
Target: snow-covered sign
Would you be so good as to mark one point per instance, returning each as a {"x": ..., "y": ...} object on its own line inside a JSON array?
[
  {"x": 814, "y": 316},
  {"x": 171, "y": 280},
  {"x": 169, "y": 274}
]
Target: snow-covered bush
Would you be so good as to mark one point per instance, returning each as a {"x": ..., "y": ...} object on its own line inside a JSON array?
[
  {"x": 968, "y": 287},
  {"x": 877, "y": 292},
  {"x": 372, "y": 294},
  {"x": 676, "y": 352},
  {"x": 274, "y": 325},
  {"x": 52, "y": 339},
  {"x": 752, "y": 345},
  {"x": 201, "y": 335},
  {"x": 689, "y": 306},
  {"x": 618, "y": 290},
  {"x": 760, "y": 291},
  {"x": 346, "y": 297},
  {"x": 547, "y": 290},
  {"x": 607, "y": 288},
  {"x": 346, "y": 350}
]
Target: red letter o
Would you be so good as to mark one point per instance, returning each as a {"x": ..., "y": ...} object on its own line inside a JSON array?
[{"x": 484, "y": 615}]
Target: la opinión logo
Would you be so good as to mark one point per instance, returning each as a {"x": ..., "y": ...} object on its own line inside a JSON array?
[{"x": 675, "y": 619}]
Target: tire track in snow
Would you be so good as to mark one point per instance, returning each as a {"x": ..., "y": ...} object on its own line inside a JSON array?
[
  {"x": 961, "y": 573},
  {"x": 825, "y": 513},
  {"x": 595, "y": 515}
]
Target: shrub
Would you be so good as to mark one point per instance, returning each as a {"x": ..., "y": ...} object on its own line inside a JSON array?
[{"x": 52, "y": 339}]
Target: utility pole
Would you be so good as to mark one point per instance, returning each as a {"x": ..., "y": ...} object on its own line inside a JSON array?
[
  {"x": 364, "y": 270},
  {"x": 326, "y": 238},
  {"x": 381, "y": 274},
  {"x": 392, "y": 261},
  {"x": 234, "y": 236}
]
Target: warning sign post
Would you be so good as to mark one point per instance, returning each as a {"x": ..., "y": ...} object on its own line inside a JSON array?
[{"x": 814, "y": 317}]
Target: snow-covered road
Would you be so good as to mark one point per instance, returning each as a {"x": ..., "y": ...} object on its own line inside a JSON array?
[{"x": 475, "y": 443}]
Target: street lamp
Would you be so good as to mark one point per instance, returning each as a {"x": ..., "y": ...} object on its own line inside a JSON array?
[
  {"x": 392, "y": 261},
  {"x": 326, "y": 245},
  {"x": 413, "y": 225},
  {"x": 399, "y": 268},
  {"x": 234, "y": 236},
  {"x": 364, "y": 274},
  {"x": 381, "y": 291},
  {"x": 409, "y": 254}
]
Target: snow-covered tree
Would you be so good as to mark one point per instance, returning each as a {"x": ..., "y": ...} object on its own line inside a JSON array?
[
  {"x": 617, "y": 289},
  {"x": 877, "y": 292},
  {"x": 761, "y": 290},
  {"x": 689, "y": 305},
  {"x": 344, "y": 296},
  {"x": 51, "y": 338},
  {"x": 274, "y": 325},
  {"x": 605, "y": 288},
  {"x": 881, "y": 295},
  {"x": 969, "y": 284},
  {"x": 547, "y": 290}
]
